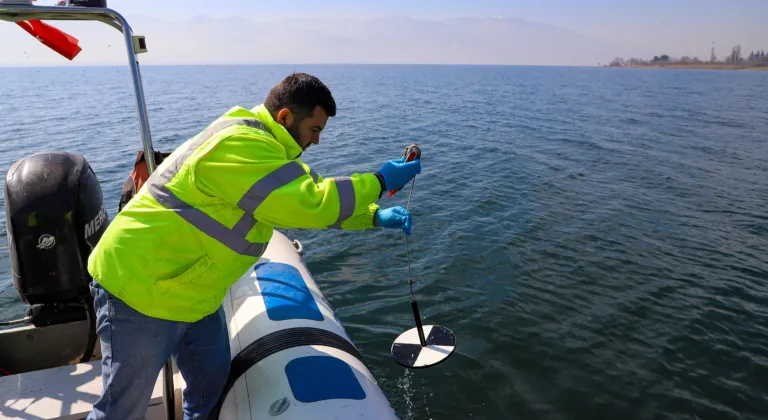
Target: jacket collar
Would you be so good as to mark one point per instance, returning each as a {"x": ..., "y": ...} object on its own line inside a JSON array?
[{"x": 292, "y": 149}]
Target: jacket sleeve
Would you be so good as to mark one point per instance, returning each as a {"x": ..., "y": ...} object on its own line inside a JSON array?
[
  {"x": 251, "y": 171},
  {"x": 315, "y": 176}
]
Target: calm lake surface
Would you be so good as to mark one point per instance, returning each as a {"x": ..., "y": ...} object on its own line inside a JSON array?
[{"x": 595, "y": 238}]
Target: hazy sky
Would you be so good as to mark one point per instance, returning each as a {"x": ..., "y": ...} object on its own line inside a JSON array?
[
  {"x": 569, "y": 13},
  {"x": 632, "y": 27}
]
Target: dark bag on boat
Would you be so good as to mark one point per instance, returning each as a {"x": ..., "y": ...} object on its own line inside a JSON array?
[{"x": 138, "y": 176}]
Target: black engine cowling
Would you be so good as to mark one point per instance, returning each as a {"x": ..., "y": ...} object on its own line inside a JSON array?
[{"x": 55, "y": 215}]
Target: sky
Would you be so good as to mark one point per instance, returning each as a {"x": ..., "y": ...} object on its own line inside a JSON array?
[
  {"x": 569, "y": 13},
  {"x": 593, "y": 30}
]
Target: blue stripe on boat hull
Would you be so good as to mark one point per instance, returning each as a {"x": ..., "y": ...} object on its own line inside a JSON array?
[
  {"x": 285, "y": 293},
  {"x": 321, "y": 378}
]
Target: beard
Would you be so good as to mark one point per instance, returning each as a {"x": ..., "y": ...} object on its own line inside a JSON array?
[{"x": 293, "y": 130}]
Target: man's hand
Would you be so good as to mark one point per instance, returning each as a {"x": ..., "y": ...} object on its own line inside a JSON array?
[
  {"x": 395, "y": 218},
  {"x": 398, "y": 172}
]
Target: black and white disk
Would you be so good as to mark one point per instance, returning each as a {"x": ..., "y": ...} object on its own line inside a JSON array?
[{"x": 407, "y": 349}]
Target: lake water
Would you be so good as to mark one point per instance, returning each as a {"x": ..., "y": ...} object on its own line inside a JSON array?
[{"x": 597, "y": 239}]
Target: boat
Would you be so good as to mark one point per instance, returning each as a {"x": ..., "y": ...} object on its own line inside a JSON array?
[{"x": 291, "y": 355}]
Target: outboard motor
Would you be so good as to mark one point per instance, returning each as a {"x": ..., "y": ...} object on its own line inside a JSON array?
[{"x": 55, "y": 215}]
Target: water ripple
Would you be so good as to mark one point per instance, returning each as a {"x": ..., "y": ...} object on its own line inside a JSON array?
[{"x": 595, "y": 239}]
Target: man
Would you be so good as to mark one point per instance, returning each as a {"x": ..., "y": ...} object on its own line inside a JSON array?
[{"x": 202, "y": 219}]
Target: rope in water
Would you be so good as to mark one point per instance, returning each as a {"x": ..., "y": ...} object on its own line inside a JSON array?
[
  {"x": 414, "y": 305},
  {"x": 407, "y": 250}
]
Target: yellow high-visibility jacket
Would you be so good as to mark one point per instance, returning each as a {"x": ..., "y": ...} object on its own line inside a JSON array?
[{"x": 206, "y": 214}]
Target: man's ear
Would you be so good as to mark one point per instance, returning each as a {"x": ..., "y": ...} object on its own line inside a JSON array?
[{"x": 285, "y": 117}]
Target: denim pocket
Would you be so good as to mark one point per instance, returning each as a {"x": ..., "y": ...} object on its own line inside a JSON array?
[
  {"x": 188, "y": 276},
  {"x": 98, "y": 296}
]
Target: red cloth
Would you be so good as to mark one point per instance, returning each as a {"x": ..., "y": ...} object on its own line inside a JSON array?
[{"x": 53, "y": 38}]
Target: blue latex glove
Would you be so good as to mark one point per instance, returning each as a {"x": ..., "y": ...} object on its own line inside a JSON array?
[
  {"x": 395, "y": 218},
  {"x": 397, "y": 173}
]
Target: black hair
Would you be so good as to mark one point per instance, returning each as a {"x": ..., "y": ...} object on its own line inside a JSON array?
[{"x": 301, "y": 93}]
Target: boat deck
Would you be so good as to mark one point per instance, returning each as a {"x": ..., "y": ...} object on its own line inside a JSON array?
[{"x": 66, "y": 392}]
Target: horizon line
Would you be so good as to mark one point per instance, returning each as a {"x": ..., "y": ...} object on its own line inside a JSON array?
[{"x": 291, "y": 64}]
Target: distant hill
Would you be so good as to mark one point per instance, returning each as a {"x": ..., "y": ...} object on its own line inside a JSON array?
[{"x": 384, "y": 40}]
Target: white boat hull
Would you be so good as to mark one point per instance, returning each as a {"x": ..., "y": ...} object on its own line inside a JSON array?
[{"x": 278, "y": 304}]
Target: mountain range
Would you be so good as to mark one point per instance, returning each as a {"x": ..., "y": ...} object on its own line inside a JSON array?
[{"x": 394, "y": 39}]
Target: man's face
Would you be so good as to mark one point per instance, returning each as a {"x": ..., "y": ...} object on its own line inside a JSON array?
[{"x": 305, "y": 131}]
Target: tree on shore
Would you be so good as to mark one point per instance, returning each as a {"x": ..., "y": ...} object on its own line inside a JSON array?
[
  {"x": 756, "y": 58},
  {"x": 735, "y": 57}
]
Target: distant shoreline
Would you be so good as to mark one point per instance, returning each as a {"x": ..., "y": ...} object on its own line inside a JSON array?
[{"x": 689, "y": 67}]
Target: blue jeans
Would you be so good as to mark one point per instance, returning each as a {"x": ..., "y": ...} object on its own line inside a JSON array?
[{"x": 135, "y": 347}]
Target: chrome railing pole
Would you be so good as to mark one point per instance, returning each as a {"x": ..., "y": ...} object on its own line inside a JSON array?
[
  {"x": 14, "y": 12},
  {"x": 141, "y": 104}
]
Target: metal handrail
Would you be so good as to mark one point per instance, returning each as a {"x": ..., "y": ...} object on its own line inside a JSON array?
[
  {"x": 13, "y": 12},
  {"x": 16, "y": 12}
]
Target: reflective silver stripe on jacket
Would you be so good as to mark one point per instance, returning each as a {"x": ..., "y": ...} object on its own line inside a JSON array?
[
  {"x": 259, "y": 191},
  {"x": 346, "y": 200},
  {"x": 234, "y": 238},
  {"x": 314, "y": 175}
]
